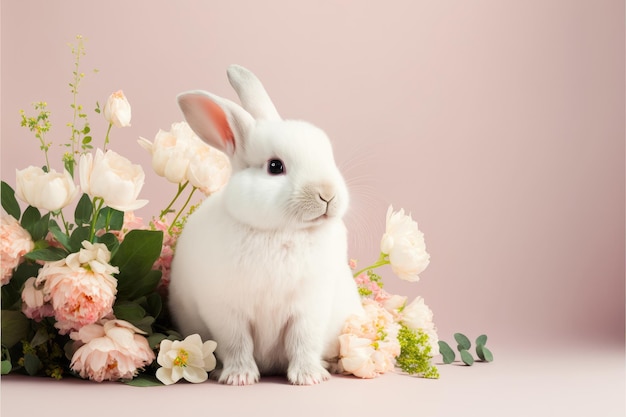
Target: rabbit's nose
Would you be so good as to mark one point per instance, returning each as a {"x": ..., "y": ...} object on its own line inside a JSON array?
[{"x": 326, "y": 193}]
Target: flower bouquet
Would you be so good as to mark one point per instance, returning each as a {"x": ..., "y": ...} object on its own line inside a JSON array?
[{"x": 85, "y": 293}]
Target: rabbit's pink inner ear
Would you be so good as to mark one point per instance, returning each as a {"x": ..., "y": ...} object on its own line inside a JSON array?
[{"x": 220, "y": 121}]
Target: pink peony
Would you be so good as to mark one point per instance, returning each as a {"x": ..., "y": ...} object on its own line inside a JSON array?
[
  {"x": 357, "y": 356},
  {"x": 80, "y": 288},
  {"x": 34, "y": 305},
  {"x": 110, "y": 351},
  {"x": 15, "y": 242}
]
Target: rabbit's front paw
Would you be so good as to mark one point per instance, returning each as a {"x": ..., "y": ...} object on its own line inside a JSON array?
[
  {"x": 307, "y": 374},
  {"x": 234, "y": 376}
]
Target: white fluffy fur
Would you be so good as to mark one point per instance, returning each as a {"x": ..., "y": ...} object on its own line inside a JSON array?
[{"x": 261, "y": 267}]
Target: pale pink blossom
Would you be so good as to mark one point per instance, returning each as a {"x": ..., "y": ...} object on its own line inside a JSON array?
[
  {"x": 110, "y": 350},
  {"x": 15, "y": 242},
  {"x": 357, "y": 356},
  {"x": 376, "y": 326},
  {"x": 34, "y": 305},
  {"x": 80, "y": 288}
]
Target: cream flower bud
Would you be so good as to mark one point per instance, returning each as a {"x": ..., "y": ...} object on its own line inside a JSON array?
[
  {"x": 49, "y": 191},
  {"x": 117, "y": 109}
]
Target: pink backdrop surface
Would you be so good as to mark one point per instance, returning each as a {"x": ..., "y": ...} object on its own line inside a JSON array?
[{"x": 498, "y": 124}]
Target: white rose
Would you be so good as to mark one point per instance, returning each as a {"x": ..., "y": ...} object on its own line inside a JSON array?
[
  {"x": 117, "y": 109},
  {"x": 405, "y": 245},
  {"x": 113, "y": 178},
  {"x": 49, "y": 191}
]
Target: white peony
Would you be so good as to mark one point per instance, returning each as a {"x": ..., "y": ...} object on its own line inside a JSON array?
[
  {"x": 179, "y": 155},
  {"x": 405, "y": 246},
  {"x": 113, "y": 178},
  {"x": 49, "y": 191}
]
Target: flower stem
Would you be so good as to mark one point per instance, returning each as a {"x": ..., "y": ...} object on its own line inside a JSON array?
[
  {"x": 193, "y": 190},
  {"x": 382, "y": 261},
  {"x": 106, "y": 138},
  {"x": 166, "y": 210},
  {"x": 98, "y": 202}
]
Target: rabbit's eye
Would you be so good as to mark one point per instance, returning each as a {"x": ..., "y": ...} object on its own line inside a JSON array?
[{"x": 275, "y": 167}]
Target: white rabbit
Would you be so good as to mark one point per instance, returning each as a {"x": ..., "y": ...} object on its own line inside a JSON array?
[{"x": 261, "y": 266}]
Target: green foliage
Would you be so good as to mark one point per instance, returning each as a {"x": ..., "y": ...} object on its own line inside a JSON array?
[
  {"x": 447, "y": 352},
  {"x": 415, "y": 354},
  {"x": 9, "y": 202},
  {"x": 463, "y": 346}
]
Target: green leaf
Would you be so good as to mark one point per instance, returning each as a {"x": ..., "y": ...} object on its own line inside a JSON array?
[
  {"x": 30, "y": 217},
  {"x": 83, "y": 211},
  {"x": 135, "y": 258},
  {"x": 447, "y": 352},
  {"x": 467, "y": 358},
  {"x": 154, "y": 304},
  {"x": 481, "y": 340},
  {"x": 58, "y": 234},
  {"x": 40, "y": 229},
  {"x": 129, "y": 311},
  {"x": 115, "y": 219},
  {"x": 15, "y": 327},
  {"x": 144, "y": 381},
  {"x": 32, "y": 364},
  {"x": 155, "y": 339},
  {"x": 12, "y": 292},
  {"x": 111, "y": 242},
  {"x": 41, "y": 337},
  {"x": 48, "y": 254},
  {"x": 79, "y": 235},
  {"x": 484, "y": 354},
  {"x": 463, "y": 341},
  {"x": 5, "y": 367},
  {"x": 9, "y": 203}
]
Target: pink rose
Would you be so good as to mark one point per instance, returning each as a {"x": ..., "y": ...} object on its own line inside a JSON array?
[
  {"x": 15, "y": 242},
  {"x": 110, "y": 351}
]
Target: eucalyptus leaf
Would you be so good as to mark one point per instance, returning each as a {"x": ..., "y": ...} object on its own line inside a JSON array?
[
  {"x": 447, "y": 352},
  {"x": 83, "y": 211},
  {"x": 467, "y": 357},
  {"x": 481, "y": 340},
  {"x": 144, "y": 381},
  {"x": 9, "y": 202},
  {"x": 463, "y": 341},
  {"x": 15, "y": 327},
  {"x": 484, "y": 354}
]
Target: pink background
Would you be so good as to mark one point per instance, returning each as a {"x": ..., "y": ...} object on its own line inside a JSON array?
[{"x": 498, "y": 124}]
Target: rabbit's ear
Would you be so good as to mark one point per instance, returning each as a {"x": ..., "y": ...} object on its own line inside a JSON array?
[
  {"x": 252, "y": 94},
  {"x": 219, "y": 122}
]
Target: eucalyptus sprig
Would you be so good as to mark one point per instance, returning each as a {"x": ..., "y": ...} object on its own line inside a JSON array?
[{"x": 463, "y": 346}]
